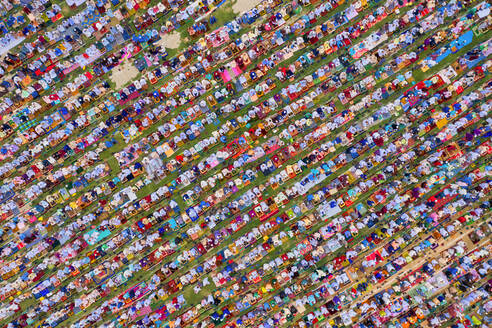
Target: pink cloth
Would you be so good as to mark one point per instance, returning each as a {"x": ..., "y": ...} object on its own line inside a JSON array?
[
  {"x": 236, "y": 70},
  {"x": 225, "y": 76},
  {"x": 143, "y": 311}
]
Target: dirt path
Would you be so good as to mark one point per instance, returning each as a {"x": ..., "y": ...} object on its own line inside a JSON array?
[{"x": 432, "y": 254}]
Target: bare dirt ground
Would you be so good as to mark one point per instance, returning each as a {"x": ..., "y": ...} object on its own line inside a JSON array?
[
  {"x": 241, "y": 6},
  {"x": 124, "y": 73},
  {"x": 170, "y": 40}
]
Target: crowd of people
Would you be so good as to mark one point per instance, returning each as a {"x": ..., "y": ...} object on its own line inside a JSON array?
[{"x": 302, "y": 164}]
